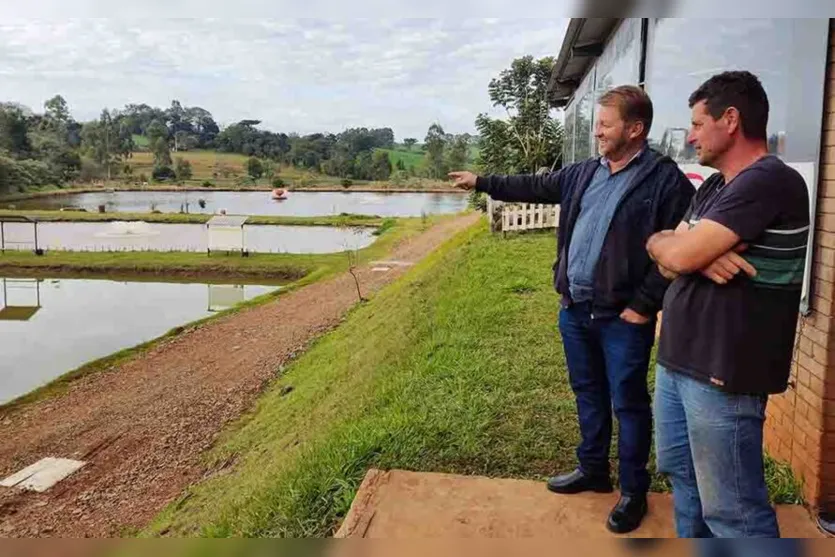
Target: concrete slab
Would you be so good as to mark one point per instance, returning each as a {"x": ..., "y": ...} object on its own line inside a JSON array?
[
  {"x": 400, "y": 504},
  {"x": 43, "y": 474},
  {"x": 393, "y": 263}
]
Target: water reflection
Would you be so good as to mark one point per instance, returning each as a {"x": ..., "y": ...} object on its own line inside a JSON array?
[
  {"x": 258, "y": 203},
  {"x": 143, "y": 236},
  {"x": 55, "y": 326}
]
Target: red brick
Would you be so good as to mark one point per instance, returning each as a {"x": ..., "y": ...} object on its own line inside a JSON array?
[
  {"x": 820, "y": 354},
  {"x": 814, "y": 400},
  {"x": 825, "y": 256},
  {"x": 825, "y": 239},
  {"x": 804, "y": 376},
  {"x": 816, "y": 336},
  {"x": 826, "y": 222},
  {"x": 822, "y": 306},
  {"x": 822, "y": 272},
  {"x": 822, "y": 288},
  {"x": 815, "y": 321},
  {"x": 815, "y": 368}
]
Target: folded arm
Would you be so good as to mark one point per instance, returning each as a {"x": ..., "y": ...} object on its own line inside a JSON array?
[{"x": 688, "y": 250}]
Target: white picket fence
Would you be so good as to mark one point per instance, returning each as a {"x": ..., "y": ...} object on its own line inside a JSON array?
[{"x": 528, "y": 216}]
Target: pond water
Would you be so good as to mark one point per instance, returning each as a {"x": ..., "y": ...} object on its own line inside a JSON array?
[
  {"x": 143, "y": 236},
  {"x": 258, "y": 203},
  {"x": 50, "y": 327}
]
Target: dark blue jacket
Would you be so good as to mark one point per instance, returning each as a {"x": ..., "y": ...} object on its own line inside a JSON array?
[{"x": 625, "y": 276}]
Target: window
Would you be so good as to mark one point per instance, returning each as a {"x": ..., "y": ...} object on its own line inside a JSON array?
[
  {"x": 781, "y": 52},
  {"x": 789, "y": 57},
  {"x": 568, "y": 136},
  {"x": 621, "y": 60},
  {"x": 584, "y": 119},
  {"x": 618, "y": 65}
]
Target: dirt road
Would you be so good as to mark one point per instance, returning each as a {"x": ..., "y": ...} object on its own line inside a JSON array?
[{"x": 143, "y": 425}]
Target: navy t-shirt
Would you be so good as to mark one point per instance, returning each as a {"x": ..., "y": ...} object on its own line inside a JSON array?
[{"x": 740, "y": 336}]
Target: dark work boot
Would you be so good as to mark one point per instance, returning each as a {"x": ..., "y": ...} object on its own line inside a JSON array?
[
  {"x": 578, "y": 482},
  {"x": 627, "y": 514}
]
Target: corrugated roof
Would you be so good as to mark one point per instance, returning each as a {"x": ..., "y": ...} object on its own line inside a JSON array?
[{"x": 577, "y": 55}]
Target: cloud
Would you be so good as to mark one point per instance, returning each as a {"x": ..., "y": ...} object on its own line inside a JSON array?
[{"x": 300, "y": 75}]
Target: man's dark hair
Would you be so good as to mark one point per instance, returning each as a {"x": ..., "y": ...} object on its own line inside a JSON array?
[
  {"x": 632, "y": 102},
  {"x": 741, "y": 90}
]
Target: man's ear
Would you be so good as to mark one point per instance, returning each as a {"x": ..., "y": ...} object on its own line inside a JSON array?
[
  {"x": 636, "y": 130},
  {"x": 732, "y": 119}
]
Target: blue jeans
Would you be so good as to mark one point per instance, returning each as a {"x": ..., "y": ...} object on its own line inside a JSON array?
[
  {"x": 751, "y": 548},
  {"x": 710, "y": 444},
  {"x": 608, "y": 361}
]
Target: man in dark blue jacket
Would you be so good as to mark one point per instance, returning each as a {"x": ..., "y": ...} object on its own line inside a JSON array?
[{"x": 611, "y": 291}]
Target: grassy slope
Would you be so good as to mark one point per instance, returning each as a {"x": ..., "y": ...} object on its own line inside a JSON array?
[
  {"x": 413, "y": 158},
  {"x": 456, "y": 368}
]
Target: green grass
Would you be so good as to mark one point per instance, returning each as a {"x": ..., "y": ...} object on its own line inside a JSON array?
[
  {"x": 413, "y": 158},
  {"x": 455, "y": 368},
  {"x": 191, "y": 218},
  {"x": 141, "y": 141}
]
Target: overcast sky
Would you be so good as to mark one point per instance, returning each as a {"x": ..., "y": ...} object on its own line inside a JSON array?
[{"x": 301, "y": 75}]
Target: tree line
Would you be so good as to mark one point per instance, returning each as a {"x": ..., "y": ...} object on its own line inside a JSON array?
[{"x": 53, "y": 148}]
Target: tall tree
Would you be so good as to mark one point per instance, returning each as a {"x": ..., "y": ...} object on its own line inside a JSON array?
[
  {"x": 380, "y": 166},
  {"x": 530, "y": 136},
  {"x": 158, "y": 138},
  {"x": 459, "y": 151},
  {"x": 409, "y": 142},
  {"x": 57, "y": 110},
  {"x": 435, "y": 144},
  {"x": 107, "y": 140},
  {"x": 14, "y": 136}
]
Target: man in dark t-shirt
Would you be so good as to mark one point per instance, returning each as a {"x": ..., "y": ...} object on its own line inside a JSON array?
[{"x": 730, "y": 315}]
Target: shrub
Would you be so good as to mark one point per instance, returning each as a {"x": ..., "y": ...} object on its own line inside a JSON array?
[{"x": 162, "y": 173}]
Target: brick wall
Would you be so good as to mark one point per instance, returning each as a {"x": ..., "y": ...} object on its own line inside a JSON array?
[{"x": 800, "y": 428}]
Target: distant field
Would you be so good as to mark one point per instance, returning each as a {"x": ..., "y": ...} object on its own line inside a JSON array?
[
  {"x": 414, "y": 158},
  {"x": 226, "y": 168},
  {"x": 417, "y": 157},
  {"x": 141, "y": 141}
]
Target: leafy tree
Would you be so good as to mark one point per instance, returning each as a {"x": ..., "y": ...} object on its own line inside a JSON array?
[
  {"x": 409, "y": 142},
  {"x": 458, "y": 152},
  {"x": 158, "y": 138},
  {"x": 435, "y": 143},
  {"x": 14, "y": 137},
  {"x": 57, "y": 110},
  {"x": 182, "y": 169},
  {"x": 380, "y": 166},
  {"x": 107, "y": 141},
  {"x": 364, "y": 166},
  {"x": 254, "y": 167},
  {"x": 530, "y": 137}
]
